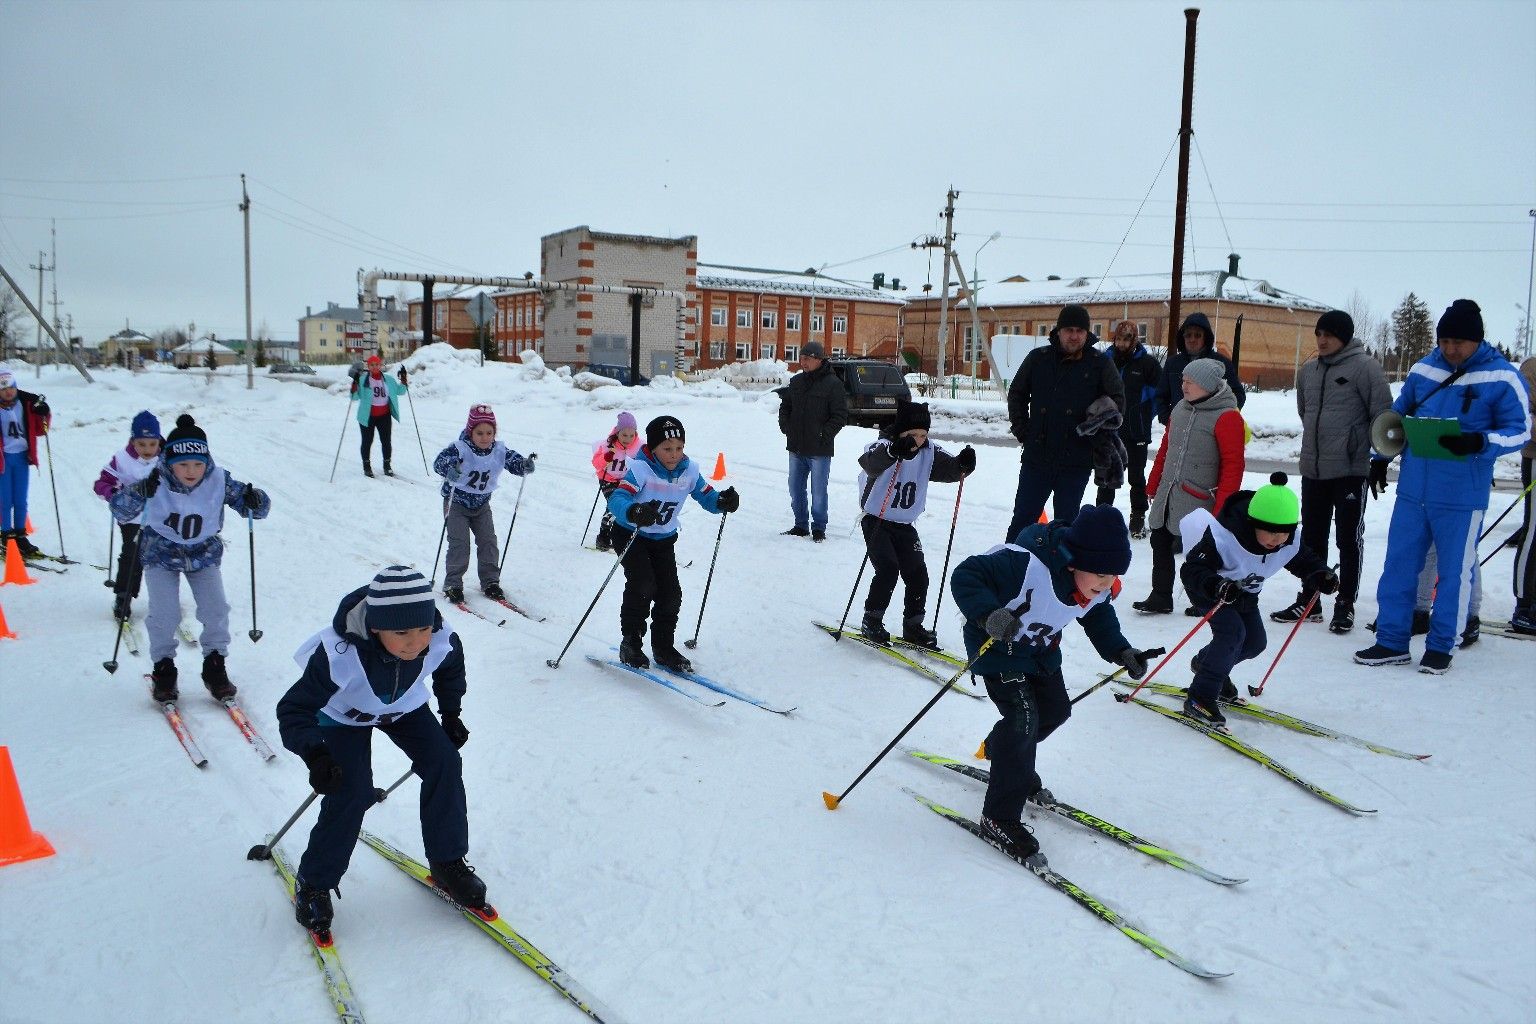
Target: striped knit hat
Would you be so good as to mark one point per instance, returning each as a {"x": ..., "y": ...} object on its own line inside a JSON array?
[{"x": 399, "y": 598}]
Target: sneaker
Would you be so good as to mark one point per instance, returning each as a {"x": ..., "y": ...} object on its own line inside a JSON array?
[
  {"x": 459, "y": 881},
  {"x": 632, "y": 654},
  {"x": 1294, "y": 611},
  {"x": 1154, "y": 604},
  {"x": 1013, "y": 836},
  {"x": 1207, "y": 716},
  {"x": 1435, "y": 663},
  {"x": 367, "y": 469},
  {"x": 873, "y": 628},
  {"x": 216, "y": 679},
  {"x": 818, "y": 535},
  {"x": 122, "y": 607},
  {"x": 312, "y": 907},
  {"x": 455, "y": 595},
  {"x": 1138, "y": 527},
  {"x": 913, "y": 632},
  {"x": 163, "y": 680},
  {"x": 1523, "y": 621},
  {"x": 1343, "y": 618},
  {"x": 671, "y": 659},
  {"x": 1473, "y": 633},
  {"x": 1380, "y": 654},
  {"x": 796, "y": 531},
  {"x": 494, "y": 592}
]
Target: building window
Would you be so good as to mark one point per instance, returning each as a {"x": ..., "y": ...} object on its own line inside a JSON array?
[
  {"x": 717, "y": 316},
  {"x": 766, "y": 349},
  {"x": 969, "y": 351},
  {"x": 520, "y": 316},
  {"x": 744, "y": 318},
  {"x": 791, "y": 321},
  {"x": 322, "y": 327},
  {"x": 743, "y": 351},
  {"x": 717, "y": 351},
  {"x": 818, "y": 323},
  {"x": 1042, "y": 330},
  {"x": 791, "y": 353},
  {"x": 1098, "y": 329},
  {"x": 323, "y": 343},
  {"x": 1141, "y": 332},
  {"x": 839, "y": 324},
  {"x": 770, "y": 319},
  {"x": 437, "y": 319},
  {"x": 838, "y": 352}
]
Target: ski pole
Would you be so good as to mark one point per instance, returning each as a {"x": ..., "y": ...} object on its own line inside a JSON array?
[
  {"x": 263, "y": 851},
  {"x": 1148, "y": 677},
  {"x": 432, "y": 581},
  {"x": 250, "y": 524},
  {"x": 1480, "y": 537},
  {"x": 109, "y": 582},
  {"x": 555, "y": 662},
  {"x": 1256, "y": 691},
  {"x": 417, "y": 424},
  {"x": 54, "y": 487},
  {"x": 944, "y": 573},
  {"x": 1117, "y": 673},
  {"x": 895, "y": 472},
  {"x": 341, "y": 440},
  {"x": 691, "y": 644},
  {"x": 380, "y": 795},
  {"x": 832, "y": 802},
  {"x": 111, "y": 665},
  {"x": 590, "y": 514},
  {"x": 522, "y": 481}
]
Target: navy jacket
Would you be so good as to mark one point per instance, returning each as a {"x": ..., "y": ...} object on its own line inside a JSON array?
[
  {"x": 1170, "y": 385},
  {"x": 1139, "y": 372},
  {"x": 1049, "y": 399}
]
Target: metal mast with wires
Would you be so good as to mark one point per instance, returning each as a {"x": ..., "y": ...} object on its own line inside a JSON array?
[
  {"x": 41, "y": 268},
  {"x": 1186, "y": 131}
]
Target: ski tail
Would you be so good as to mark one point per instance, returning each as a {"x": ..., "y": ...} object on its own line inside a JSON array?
[
  {"x": 327, "y": 958},
  {"x": 247, "y": 729},
  {"x": 660, "y": 680},
  {"x": 710, "y": 684},
  {"x": 900, "y": 658}
]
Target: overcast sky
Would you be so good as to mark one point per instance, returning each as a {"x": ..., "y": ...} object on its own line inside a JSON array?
[{"x": 1374, "y": 147}]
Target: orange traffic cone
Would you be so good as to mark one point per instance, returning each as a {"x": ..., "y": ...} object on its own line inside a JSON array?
[
  {"x": 15, "y": 566},
  {"x": 981, "y": 752},
  {"x": 17, "y": 840},
  {"x": 5, "y": 629},
  {"x": 30, "y": 529},
  {"x": 719, "y": 473}
]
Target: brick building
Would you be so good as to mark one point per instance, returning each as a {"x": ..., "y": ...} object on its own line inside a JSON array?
[
  {"x": 451, "y": 321},
  {"x": 336, "y": 334},
  {"x": 519, "y": 322},
  {"x": 765, "y": 315}
]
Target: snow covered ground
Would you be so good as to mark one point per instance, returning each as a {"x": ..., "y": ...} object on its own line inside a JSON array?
[{"x": 678, "y": 860}]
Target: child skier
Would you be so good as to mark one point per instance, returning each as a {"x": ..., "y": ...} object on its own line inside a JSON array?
[
  {"x": 368, "y": 670},
  {"x": 1227, "y": 558},
  {"x": 139, "y": 458},
  {"x": 893, "y": 490},
  {"x": 471, "y": 468},
  {"x": 1023, "y": 595},
  {"x": 610, "y": 457},
  {"x": 378, "y": 407},
  {"x": 649, "y": 501},
  {"x": 24, "y": 417},
  {"x": 182, "y": 507}
]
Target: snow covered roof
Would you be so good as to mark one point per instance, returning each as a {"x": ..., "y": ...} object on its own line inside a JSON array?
[
  {"x": 1202, "y": 284},
  {"x": 355, "y": 314},
  {"x": 204, "y": 345},
  {"x": 791, "y": 283}
]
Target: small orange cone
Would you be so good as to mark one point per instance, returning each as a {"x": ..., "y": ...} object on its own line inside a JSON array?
[
  {"x": 15, "y": 566},
  {"x": 981, "y": 752},
  {"x": 30, "y": 529},
  {"x": 17, "y": 840},
  {"x": 5, "y": 629},
  {"x": 719, "y": 473}
]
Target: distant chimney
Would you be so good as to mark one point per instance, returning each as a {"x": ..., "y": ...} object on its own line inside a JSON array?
[
  {"x": 1232, "y": 259},
  {"x": 308, "y": 312}
]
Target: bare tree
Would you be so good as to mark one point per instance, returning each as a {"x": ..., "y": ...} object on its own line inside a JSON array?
[{"x": 1359, "y": 310}]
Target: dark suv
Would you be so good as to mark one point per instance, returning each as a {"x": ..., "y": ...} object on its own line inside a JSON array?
[{"x": 873, "y": 387}]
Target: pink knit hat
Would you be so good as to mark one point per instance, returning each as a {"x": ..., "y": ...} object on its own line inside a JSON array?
[
  {"x": 480, "y": 414},
  {"x": 626, "y": 422}
]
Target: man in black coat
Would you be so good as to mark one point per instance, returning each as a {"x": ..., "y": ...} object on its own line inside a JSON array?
[
  {"x": 1047, "y": 401},
  {"x": 1195, "y": 340},
  {"x": 1139, "y": 371},
  {"x": 813, "y": 407}
]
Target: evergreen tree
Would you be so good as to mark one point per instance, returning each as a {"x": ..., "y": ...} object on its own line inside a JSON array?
[
  {"x": 1413, "y": 334},
  {"x": 485, "y": 343}
]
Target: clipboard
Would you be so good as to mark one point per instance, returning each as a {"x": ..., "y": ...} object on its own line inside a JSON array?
[{"x": 1424, "y": 433}]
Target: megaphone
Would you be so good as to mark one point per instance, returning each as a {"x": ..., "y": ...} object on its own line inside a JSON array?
[{"x": 1387, "y": 434}]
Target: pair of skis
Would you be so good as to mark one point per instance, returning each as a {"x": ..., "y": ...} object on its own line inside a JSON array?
[
  {"x": 133, "y": 640},
  {"x": 907, "y": 654},
  {"x": 667, "y": 677},
  {"x": 344, "y": 999},
  {"x": 466, "y": 608},
  {"x": 236, "y": 714}
]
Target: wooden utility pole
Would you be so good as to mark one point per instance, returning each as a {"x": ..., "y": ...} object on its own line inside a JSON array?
[
  {"x": 949, "y": 245},
  {"x": 40, "y": 267},
  {"x": 250, "y": 347},
  {"x": 1186, "y": 132}
]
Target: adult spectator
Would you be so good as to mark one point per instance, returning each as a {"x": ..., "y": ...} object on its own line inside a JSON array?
[
  {"x": 1443, "y": 494},
  {"x": 1524, "y": 619},
  {"x": 813, "y": 407},
  {"x": 1047, "y": 401},
  {"x": 378, "y": 406},
  {"x": 1339, "y": 392},
  {"x": 1195, "y": 340},
  {"x": 1139, "y": 373}
]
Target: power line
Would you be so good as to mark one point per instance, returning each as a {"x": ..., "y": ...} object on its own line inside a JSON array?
[
  {"x": 1257, "y": 248},
  {"x": 116, "y": 181},
  {"x": 325, "y": 234},
  {"x": 1132, "y": 199},
  {"x": 118, "y": 216},
  {"x": 1275, "y": 220},
  {"x": 419, "y": 255},
  {"x": 109, "y": 202}
]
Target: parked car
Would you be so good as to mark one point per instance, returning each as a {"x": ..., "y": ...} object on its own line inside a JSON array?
[
  {"x": 873, "y": 388},
  {"x": 290, "y": 368}
]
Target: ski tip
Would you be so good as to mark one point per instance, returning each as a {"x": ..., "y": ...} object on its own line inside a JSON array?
[{"x": 830, "y": 800}]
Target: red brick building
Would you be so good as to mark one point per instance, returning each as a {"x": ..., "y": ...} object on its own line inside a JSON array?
[
  {"x": 451, "y": 320},
  {"x": 747, "y": 315}
]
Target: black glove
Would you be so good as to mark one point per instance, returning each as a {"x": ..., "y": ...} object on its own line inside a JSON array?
[
  {"x": 458, "y": 734},
  {"x": 1003, "y": 625},
  {"x": 528, "y": 463},
  {"x": 904, "y": 447},
  {"x": 250, "y": 497},
  {"x": 645, "y": 514},
  {"x": 729, "y": 500},
  {"x": 1226, "y": 591},
  {"x": 1134, "y": 663},
  {"x": 401, "y": 377},
  {"x": 1463, "y": 444},
  {"x": 967, "y": 460},
  {"x": 1324, "y": 581},
  {"x": 324, "y": 772},
  {"x": 150, "y": 484},
  {"x": 1378, "y": 477},
  {"x": 40, "y": 407}
]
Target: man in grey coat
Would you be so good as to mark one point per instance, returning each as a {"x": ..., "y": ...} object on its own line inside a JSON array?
[
  {"x": 813, "y": 407},
  {"x": 1339, "y": 392}
]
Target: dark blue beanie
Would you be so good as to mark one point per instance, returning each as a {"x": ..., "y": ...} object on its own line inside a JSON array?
[
  {"x": 145, "y": 425},
  {"x": 1098, "y": 541},
  {"x": 399, "y": 598}
]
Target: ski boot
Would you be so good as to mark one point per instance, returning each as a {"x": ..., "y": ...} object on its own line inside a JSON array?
[
  {"x": 1209, "y": 716},
  {"x": 1473, "y": 633},
  {"x": 873, "y": 628},
  {"x": 494, "y": 592},
  {"x": 1523, "y": 621},
  {"x": 1295, "y": 610},
  {"x": 1042, "y": 797},
  {"x": 367, "y": 468},
  {"x": 27, "y": 548},
  {"x": 1154, "y": 604},
  {"x": 1343, "y": 617},
  {"x": 605, "y": 534},
  {"x": 1014, "y": 836},
  {"x": 1435, "y": 663},
  {"x": 459, "y": 881},
  {"x": 1138, "y": 526},
  {"x": 1229, "y": 691},
  {"x": 912, "y": 632},
  {"x": 632, "y": 654},
  {"x": 312, "y": 907},
  {"x": 670, "y": 658},
  {"x": 216, "y": 679},
  {"x": 163, "y": 678},
  {"x": 455, "y": 595}
]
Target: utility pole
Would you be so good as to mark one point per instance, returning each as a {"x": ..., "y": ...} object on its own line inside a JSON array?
[
  {"x": 1529, "y": 277},
  {"x": 53, "y": 257},
  {"x": 949, "y": 244},
  {"x": 250, "y": 348},
  {"x": 1186, "y": 132},
  {"x": 40, "y": 267}
]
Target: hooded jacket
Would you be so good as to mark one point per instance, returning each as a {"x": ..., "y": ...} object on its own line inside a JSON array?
[
  {"x": 1168, "y": 386},
  {"x": 813, "y": 407},
  {"x": 1201, "y": 572},
  {"x": 1199, "y": 462},
  {"x": 1050, "y": 396},
  {"x": 299, "y": 719},
  {"x": 1337, "y": 397}
]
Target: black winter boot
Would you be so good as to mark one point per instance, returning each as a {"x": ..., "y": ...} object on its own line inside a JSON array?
[
  {"x": 1343, "y": 617},
  {"x": 216, "y": 679},
  {"x": 163, "y": 680},
  {"x": 873, "y": 628},
  {"x": 459, "y": 881},
  {"x": 387, "y": 470},
  {"x": 367, "y": 467},
  {"x": 632, "y": 653},
  {"x": 1154, "y": 604},
  {"x": 122, "y": 607},
  {"x": 670, "y": 658},
  {"x": 312, "y": 907},
  {"x": 1138, "y": 526}
]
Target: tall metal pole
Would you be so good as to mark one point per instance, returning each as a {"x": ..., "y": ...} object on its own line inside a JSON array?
[
  {"x": 634, "y": 340},
  {"x": 1529, "y": 277},
  {"x": 1186, "y": 132},
  {"x": 949, "y": 241},
  {"x": 250, "y": 350}
]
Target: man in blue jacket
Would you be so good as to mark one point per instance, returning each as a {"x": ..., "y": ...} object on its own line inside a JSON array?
[{"x": 1441, "y": 497}]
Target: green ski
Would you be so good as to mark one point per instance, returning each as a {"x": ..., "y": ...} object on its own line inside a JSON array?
[{"x": 900, "y": 658}]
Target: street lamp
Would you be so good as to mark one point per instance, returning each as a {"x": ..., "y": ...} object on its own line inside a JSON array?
[{"x": 975, "y": 285}]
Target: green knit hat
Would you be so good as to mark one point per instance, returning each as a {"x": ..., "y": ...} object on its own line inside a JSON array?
[{"x": 1275, "y": 506}]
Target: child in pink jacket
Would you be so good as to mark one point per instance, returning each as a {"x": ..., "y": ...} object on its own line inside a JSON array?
[
  {"x": 610, "y": 457},
  {"x": 137, "y": 460}
]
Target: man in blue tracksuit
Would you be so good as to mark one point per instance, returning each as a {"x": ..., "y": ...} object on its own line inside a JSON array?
[{"x": 1441, "y": 501}]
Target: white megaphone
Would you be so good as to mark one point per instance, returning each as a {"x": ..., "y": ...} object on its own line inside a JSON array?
[{"x": 1387, "y": 434}]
